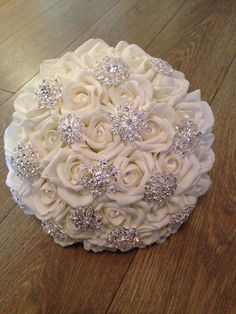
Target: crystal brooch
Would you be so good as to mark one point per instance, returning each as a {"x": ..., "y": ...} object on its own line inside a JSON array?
[
  {"x": 86, "y": 219},
  {"x": 160, "y": 66},
  {"x": 25, "y": 161},
  {"x": 71, "y": 128},
  {"x": 159, "y": 188},
  {"x": 111, "y": 71},
  {"x": 99, "y": 177},
  {"x": 187, "y": 138},
  {"x": 53, "y": 229},
  {"x": 181, "y": 215},
  {"x": 128, "y": 122},
  {"x": 48, "y": 94},
  {"x": 122, "y": 238}
]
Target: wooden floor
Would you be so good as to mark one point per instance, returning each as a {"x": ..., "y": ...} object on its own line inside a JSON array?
[{"x": 194, "y": 271}]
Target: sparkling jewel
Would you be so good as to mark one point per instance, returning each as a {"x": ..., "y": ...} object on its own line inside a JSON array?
[
  {"x": 54, "y": 229},
  {"x": 17, "y": 199},
  {"x": 122, "y": 238},
  {"x": 111, "y": 71},
  {"x": 128, "y": 122},
  {"x": 71, "y": 128},
  {"x": 160, "y": 187},
  {"x": 160, "y": 65},
  {"x": 25, "y": 161},
  {"x": 99, "y": 177},
  {"x": 187, "y": 138},
  {"x": 48, "y": 94},
  {"x": 181, "y": 215},
  {"x": 86, "y": 219}
]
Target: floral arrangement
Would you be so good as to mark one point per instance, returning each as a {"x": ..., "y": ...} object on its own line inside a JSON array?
[{"x": 108, "y": 148}]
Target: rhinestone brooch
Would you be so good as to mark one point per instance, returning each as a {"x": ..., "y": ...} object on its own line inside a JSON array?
[
  {"x": 159, "y": 188},
  {"x": 181, "y": 215},
  {"x": 128, "y": 122},
  {"x": 53, "y": 229},
  {"x": 25, "y": 161},
  {"x": 48, "y": 94},
  {"x": 187, "y": 138},
  {"x": 17, "y": 199},
  {"x": 123, "y": 238},
  {"x": 86, "y": 219},
  {"x": 99, "y": 177},
  {"x": 71, "y": 128},
  {"x": 111, "y": 71},
  {"x": 160, "y": 66}
]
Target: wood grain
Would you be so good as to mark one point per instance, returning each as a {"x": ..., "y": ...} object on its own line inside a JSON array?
[
  {"x": 4, "y": 96},
  {"x": 192, "y": 272}
]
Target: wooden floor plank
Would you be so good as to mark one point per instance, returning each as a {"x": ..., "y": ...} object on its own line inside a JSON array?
[
  {"x": 4, "y": 96},
  {"x": 14, "y": 15},
  {"x": 200, "y": 40},
  {"x": 45, "y": 37},
  {"x": 194, "y": 271},
  {"x": 38, "y": 276}
]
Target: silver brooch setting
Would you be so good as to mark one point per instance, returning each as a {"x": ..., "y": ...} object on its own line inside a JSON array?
[
  {"x": 48, "y": 94},
  {"x": 111, "y": 71},
  {"x": 159, "y": 188},
  {"x": 25, "y": 161},
  {"x": 160, "y": 66},
  {"x": 71, "y": 128},
  {"x": 128, "y": 122},
  {"x": 52, "y": 228},
  {"x": 181, "y": 216},
  {"x": 122, "y": 238},
  {"x": 99, "y": 177},
  {"x": 187, "y": 138},
  {"x": 86, "y": 219}
]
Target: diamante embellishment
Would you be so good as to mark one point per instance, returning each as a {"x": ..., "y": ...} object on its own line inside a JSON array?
[
  {"x": 160, "y": 65},
  {"x": 71, "y": 128},
  {"x": 111, "y": 71},
  {"x": 123, "y": 238},
  {"x": 128, "y": 122},
  {"x": 181, "y": 215},
  {"x": 49, "y": 93},
  {"x": 160, "y": 187},
  {"x": 17, "y": 199},
  {"x": 86, "y": 219},
  {"x": 99, "y": 177},
  {"x": 25, "y": 161},
  {"x": 187, "y": 138},
  {"x": 53, "y": 229}
]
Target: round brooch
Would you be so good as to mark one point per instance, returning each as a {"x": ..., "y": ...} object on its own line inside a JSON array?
[{"x": 112, "y": 153}]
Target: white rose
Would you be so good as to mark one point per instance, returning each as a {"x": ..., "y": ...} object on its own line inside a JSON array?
[
  {"x": 137, "y": 89},
  {"x": 64, "y": 171},
  {"x": 135, "y": 169},
  {"x": 186, "y": 169},
  {"x": 44, "y": 136},
  {"x": 98, "y": 135},
  {"x": 169, "y": 89},
  {"x": 91, "y": 51},
  {"x": 83, "y": 94},
  {"x": 65, "y": 67},
  {"x": 13, "y": 133},
  {"x": 26, "y": 108},
  {"x": 191, "y": 107},
  {"x": 158, "y": 134}
]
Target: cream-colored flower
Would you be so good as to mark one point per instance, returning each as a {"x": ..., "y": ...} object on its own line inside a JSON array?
[
  {"x": 191, "y": 107},
  {"x": 135, "y": 169}
]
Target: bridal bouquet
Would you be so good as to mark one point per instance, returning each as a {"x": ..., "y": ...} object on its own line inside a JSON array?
[{"x": 108, "y": 148}]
